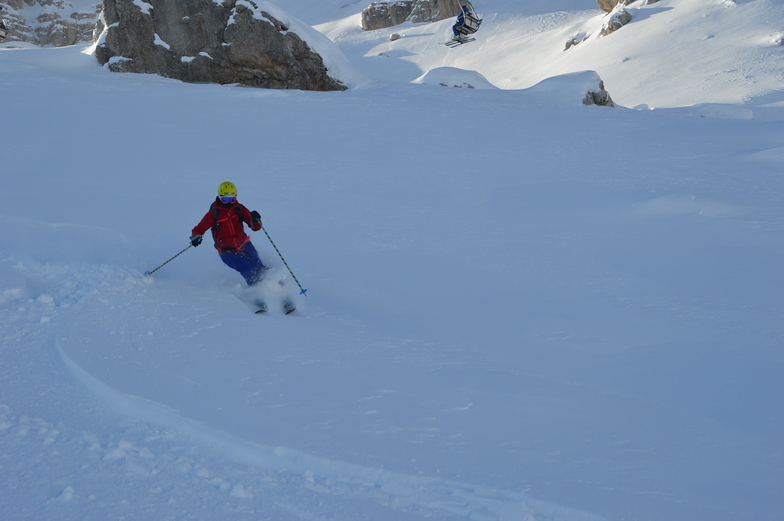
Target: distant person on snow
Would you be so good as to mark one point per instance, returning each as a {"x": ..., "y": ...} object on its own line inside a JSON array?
[
  {"x": 460, "y": 21},
  {"x": 3, "y": 30},
  {"x": 226, "y": 219}
]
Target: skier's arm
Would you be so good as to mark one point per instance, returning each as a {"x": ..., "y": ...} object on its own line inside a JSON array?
[
  {"x": 207, "y": 222},
  {"x": 256, "y": 219},
  {"x": 252, "y": 219}
]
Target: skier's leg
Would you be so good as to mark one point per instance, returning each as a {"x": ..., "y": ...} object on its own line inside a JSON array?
[
  {"x": 247, "y": 262},
  {"x": 257, "y": 268},
  {"x": 238, "y": 262}
]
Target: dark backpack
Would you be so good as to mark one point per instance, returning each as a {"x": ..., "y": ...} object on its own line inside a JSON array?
[{"x": 214, "y": 208}]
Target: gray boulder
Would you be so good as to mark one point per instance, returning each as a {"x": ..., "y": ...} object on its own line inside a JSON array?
[
  {"x": 618, "y": 18},
  {"x": 388, "y": 13},
  {"x": 428, "y": 11},
  {"x": 385, "y": 13},
  {"x": 598, "y": 96},
  {"x": 576, "y": 39},
  {"x": 585, "y": 86},
  {"x": 204, "y": 41},
  {"x": 608, "y": 5}
]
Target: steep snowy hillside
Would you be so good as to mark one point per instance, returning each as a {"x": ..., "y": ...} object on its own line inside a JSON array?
[{"x": 673, "y": 52}]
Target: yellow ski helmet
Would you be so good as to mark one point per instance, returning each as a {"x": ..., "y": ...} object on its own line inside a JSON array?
[{"x": 227, "y": 189}]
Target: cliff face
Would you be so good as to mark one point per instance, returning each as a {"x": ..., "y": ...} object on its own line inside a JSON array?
[
  {"x": 50, "y": 23},
  {"x": 202, "y": 41},
  {"x": 388, "y": 13}
]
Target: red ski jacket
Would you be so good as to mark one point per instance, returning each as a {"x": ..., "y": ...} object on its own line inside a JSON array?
[{"x": 226, "y": 224}]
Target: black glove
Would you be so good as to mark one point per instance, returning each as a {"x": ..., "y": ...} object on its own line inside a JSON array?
[
  {"x": 195, "y": 240},
  {"x": 255, "y": 216}
]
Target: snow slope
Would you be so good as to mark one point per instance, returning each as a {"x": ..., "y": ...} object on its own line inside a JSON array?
[
  {"x": 673, "y": 53},
  {"x": 520, "y": 308}
]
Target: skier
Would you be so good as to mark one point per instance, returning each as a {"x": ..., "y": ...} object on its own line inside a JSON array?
[
  {"x": 226, "y": 218},
  {"x": 460, "y": 21}
]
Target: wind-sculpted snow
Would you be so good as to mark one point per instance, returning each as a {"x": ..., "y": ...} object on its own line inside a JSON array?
[
  {"x": 120, "y": 326},
  {"x": 419, "y": 496},
  {"x": 115, "y": 321}
]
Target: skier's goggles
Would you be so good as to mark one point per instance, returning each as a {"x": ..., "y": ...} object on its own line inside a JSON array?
[{"x": 227, "y": 200}]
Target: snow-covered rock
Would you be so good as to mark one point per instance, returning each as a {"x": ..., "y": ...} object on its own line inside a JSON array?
[
  {"x": 574, "y": 40},
  {"x": 388, "y": 13},
  {"x": 201, "y": 41},
  {"x": 454, "y": 77},
  {"x": 618, "y": 18},
  {"x": 585, "y": 86},
  {"x": 609, "y": 5}
]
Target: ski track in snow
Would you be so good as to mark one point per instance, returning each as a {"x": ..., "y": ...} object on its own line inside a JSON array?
[
  {"x": 157, "y": 446},
  {"x": 185, "y": 467}
]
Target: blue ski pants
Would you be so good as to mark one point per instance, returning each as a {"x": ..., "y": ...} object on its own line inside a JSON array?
[{"x": 246, "y": 261}]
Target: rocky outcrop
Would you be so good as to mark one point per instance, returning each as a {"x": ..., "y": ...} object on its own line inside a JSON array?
[
  {"x": 608, "y": 5},
  {"x": 206, "y": 41},
  {"x": 618, "y": 18},
  {"x": 576, "y": 39},
  {"x": 584, "y": 87},
  {"x": 454, "y": 77},
  {"x": 380, "y": 15},
  {"x": 47, "y": 23},
  {"x": 388, "y": 13},
  {"x": 598, "y": 97},
  {"x": 428, "y": 11}
]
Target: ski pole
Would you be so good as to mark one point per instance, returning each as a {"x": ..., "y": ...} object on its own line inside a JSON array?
[
  {"x": 167, "y": 262},
  {"x": 302, "y": 291}
]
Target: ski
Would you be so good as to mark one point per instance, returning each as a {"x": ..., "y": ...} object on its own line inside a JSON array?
[
  {"x": 458, "y": 41},
  {"x": 261, "y": 307}
]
